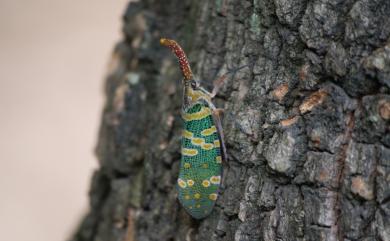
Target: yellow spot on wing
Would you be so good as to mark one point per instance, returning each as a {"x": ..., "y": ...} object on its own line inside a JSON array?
[
  {"x": 207, "y": 146},
  {"x": 189, "y": 152},
  {"x": 218, "y": 159},
  {"x": 197, "y": 206},
  {"x": 206, "y": 183},
  {"x": 187, "y": 197},
  {"x": 204, "y": 112},
  {"x": 205, "y": 165},
  {"x": 197, "y": 141},
  {"x": 209, "y": 131},
  {"x": 197, "y": 196},
  {"x": 187, "y": 134},
  {"x": 215, "y": 179},
  {"x": 187, "y": 165},
  {"x": 181, "y": 183},
  {"x": 190, "y": 183},
  {"x": 213, "y": 196},
  {"x": 217, "y": 143}
]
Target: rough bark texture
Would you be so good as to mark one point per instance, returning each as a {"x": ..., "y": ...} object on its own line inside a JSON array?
[{"x": 306, "y": 124}]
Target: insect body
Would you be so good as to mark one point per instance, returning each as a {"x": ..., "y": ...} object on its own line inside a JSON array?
[{"x": 202, "y": 147}]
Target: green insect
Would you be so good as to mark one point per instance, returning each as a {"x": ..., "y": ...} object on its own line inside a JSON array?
[{"x": 202, "y": 145}]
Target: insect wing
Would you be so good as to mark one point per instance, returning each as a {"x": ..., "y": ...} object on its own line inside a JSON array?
[{"x": 200, "y": 168}]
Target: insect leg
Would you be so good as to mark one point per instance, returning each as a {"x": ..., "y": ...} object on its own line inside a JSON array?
[
  {"x": 221, "y": 80},
  {"x": 218, "y": 84}
]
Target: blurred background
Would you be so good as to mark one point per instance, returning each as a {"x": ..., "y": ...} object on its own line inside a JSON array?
[{"x": 53, "y": 59}]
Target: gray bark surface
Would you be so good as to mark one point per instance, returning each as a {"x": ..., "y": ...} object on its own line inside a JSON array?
[{"x": 306, "y": 124}]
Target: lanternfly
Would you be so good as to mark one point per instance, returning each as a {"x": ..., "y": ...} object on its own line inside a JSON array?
[{"x": 202, "y": 146}]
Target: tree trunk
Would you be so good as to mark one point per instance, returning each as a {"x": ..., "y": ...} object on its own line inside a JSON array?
[{"x": 306, "y": 124}]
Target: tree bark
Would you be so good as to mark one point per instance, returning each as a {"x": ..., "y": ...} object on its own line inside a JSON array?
[{"x": 306, "y": 124}]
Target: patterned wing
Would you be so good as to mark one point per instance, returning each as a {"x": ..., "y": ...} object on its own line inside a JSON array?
[{"x": 200, "y": 168}]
